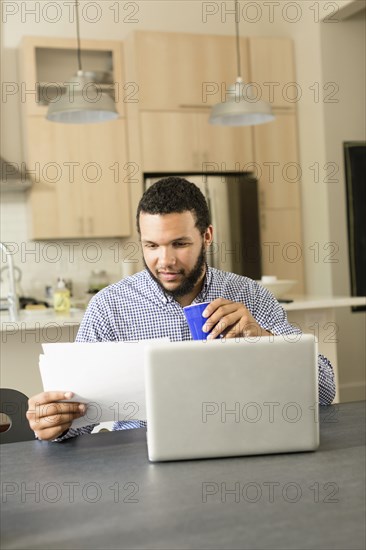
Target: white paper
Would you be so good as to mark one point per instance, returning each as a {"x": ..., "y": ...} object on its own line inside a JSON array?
[{"x": 108, "y": 376}]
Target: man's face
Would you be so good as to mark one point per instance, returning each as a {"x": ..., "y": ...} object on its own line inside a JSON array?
[{"x": 174, "y": 251}]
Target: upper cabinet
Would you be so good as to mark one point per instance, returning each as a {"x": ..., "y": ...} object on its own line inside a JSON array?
[
  {"x": 49, "y": 63},
  {"x": 80, "y": 171},
  {"x": 225, "y": 147},
  {"x": 81, "y": 186},
  {"x": 272, "y": 70},
  {"x": 181, "y": 141},
  {"x": 169, "y": 141},
  {"x": 90, "y": 177},
  {"x": 181, "y": 71},
  {"x": 180, "y": 77}
]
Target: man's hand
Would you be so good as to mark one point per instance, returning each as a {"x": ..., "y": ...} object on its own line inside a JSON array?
[
  {"x": 231, "y": 319},
  {"x": 49, "y": 419}
]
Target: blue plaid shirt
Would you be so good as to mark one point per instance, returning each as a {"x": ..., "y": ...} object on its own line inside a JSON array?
[{"x": 137, "y": 308}]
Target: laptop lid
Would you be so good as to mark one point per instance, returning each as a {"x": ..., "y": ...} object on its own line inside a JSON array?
[{"x": 232, "y": 397}]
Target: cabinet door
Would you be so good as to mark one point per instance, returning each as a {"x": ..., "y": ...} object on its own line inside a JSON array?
[
  {"x": 81, "y": 184},
  {"x": 176, "y": 141},
  {"x": 276, "y": 153},
  {"x": 106, "y": 205},
  {"x": 48, "y": 63},
  {"x": 169, "y": 141},
  {"x": 178, "y": 70},
  {"x": 281, "y": 245},
  {"x": 273, "y": 70},
  {"x": 224, "y": 148},
  {"x": 57, "y": 195}
]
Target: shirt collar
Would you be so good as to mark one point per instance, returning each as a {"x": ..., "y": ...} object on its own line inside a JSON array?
[
  {"x": 162, "y": 296},
  {"x": 202, "y": 296},
  {"x": 155, "y": 289}
]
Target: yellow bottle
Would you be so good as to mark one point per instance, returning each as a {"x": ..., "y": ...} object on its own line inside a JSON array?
[{"x": 61, "y": 297}]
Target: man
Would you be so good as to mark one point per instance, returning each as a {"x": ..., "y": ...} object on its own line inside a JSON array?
[{"x": 174, "y": 225}]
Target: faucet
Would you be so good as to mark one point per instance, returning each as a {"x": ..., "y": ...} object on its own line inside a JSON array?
[{"x": 13, "y": 302}]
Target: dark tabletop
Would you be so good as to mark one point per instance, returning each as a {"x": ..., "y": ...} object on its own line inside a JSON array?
[{"x": 100, "y": 491}]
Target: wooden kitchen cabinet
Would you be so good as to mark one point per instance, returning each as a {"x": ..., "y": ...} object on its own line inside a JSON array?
[
  {"x": 175, "y": 134},
  {"x": 168, "y": 131},
  {"x": 169, "y": 141},
  {"x": 279, "y": 171},
  {"x": 175, "y": 70},
  {"x": 279, "y": 175},
  {"x": 177, "y": 141},
  {"x": 80, "y": 185},
  {"x": 226, "y": 147},
  {"x": 272, "y": 69},
  {"x": 107, "y": 210},
  {"x": 48, "y": 63},
  {"x": 55, "y": 200},
  {"x": 79, "y": 171},
  {"x": 282, "y": 245}
]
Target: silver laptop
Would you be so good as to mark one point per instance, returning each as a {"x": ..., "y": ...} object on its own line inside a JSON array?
[{"x": 231, "y": 397}]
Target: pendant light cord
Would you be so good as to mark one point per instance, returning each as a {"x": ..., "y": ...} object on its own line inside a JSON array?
[
  {"x": 237, "y": 17},
  {"x": 78, "y": 33}
]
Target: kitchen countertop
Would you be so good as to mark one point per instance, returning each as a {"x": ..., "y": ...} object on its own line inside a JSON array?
[
  {"x": 322, "y": 302},
  {"x": 38, "y": 319}
]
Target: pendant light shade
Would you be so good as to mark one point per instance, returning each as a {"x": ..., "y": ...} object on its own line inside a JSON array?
[
  {"x": 82, "y": 103},
  {"x": 241, "y": 107},
  {"x": 76, "y": 106}
]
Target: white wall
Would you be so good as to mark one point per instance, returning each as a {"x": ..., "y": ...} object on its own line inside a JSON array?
[{"x": 344, "y": 62}]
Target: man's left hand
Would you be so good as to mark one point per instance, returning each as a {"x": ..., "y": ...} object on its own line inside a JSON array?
[{"x": 230, "y": 319}]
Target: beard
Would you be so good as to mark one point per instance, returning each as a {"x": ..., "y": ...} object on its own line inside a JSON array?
[{"x": 189, "y": 279}]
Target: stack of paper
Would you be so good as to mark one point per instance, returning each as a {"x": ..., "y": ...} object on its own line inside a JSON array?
[{"x": 107, "y": 376}]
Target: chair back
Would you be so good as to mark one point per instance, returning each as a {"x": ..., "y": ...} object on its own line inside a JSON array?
[{"x": 14, "y": 404}]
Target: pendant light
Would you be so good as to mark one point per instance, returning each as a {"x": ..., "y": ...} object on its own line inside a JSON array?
[
  {"x": 241, "y": 107},
  {"x": 74, "y": 106}
]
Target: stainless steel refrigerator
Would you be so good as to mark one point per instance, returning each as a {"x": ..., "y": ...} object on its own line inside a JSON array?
[{"x": 232, "y": 199}]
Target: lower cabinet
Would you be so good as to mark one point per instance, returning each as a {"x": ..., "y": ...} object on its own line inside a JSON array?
[{"x": 80, "y": 175}]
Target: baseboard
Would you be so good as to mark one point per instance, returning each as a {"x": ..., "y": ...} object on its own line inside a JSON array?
[{"x": 353, "y": 391}]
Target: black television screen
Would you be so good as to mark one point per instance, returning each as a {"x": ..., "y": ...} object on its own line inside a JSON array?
[{"x": 355, "y": 171}]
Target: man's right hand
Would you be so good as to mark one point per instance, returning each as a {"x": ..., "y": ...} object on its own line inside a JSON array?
[{"x": 49, "y": 418}]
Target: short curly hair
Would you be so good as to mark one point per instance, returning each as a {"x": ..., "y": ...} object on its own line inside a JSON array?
[{"x": 175, "y": 195}]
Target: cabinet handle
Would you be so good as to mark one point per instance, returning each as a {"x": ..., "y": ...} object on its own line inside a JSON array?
[{"x": 91, "y": 225}]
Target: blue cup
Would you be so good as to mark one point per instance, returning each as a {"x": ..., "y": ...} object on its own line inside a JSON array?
[{"x": 195, "y": 320}]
